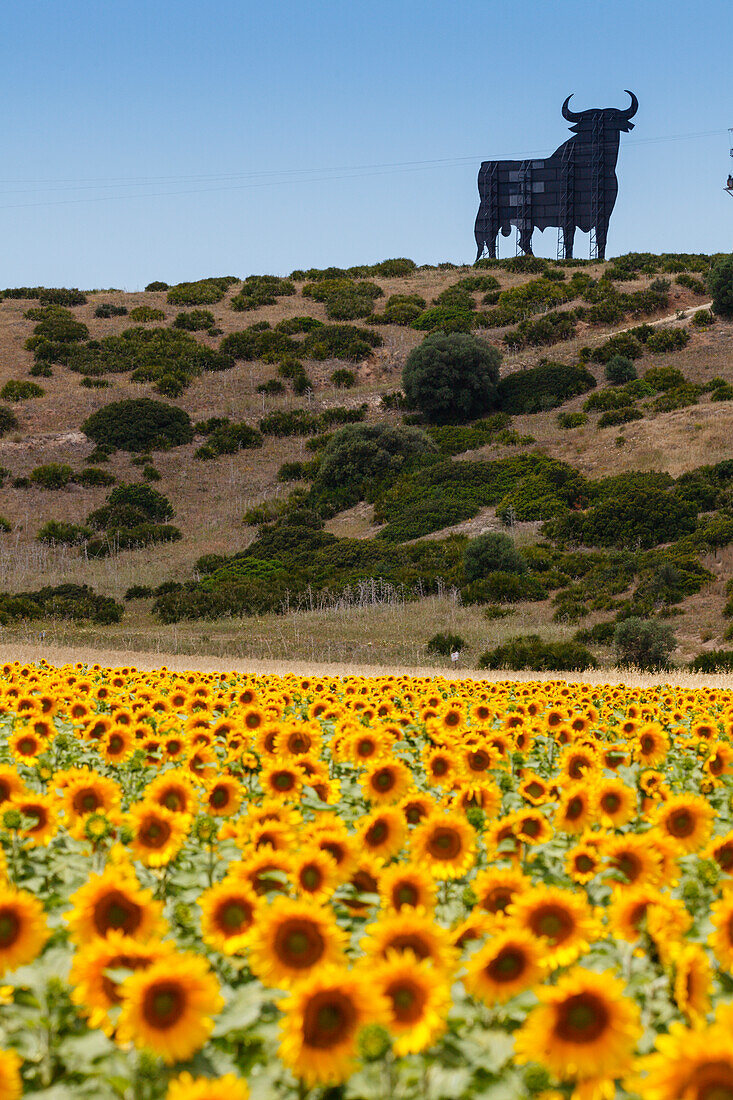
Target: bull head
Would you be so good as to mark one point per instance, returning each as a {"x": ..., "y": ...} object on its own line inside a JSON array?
[{"x": 614, "y": 118}]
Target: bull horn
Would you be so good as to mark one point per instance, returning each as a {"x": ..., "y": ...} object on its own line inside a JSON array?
[
  {"x": 571, "y": 116},
  {"x": 631, "y": 111}
]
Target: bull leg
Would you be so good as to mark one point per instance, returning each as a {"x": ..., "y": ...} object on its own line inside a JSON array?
[
  {"x": 568, "y": 239},
  {"x": 601, "y": 236},
  {"x": 525, "y": 238}
]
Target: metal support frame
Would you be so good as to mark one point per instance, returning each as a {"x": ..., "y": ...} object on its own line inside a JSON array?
[
  {"x": 567, "y": 197},
  {"x": 597, "y": 182},
  {"x": 524, "y": 203}
]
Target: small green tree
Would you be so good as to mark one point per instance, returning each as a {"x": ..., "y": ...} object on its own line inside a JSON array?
[
  {"x": 490, "y": 553},
  {"x": 720, "y": 284},
  {"x": 452, "y": 378},
  {"x": 619, "y": 370},
  {"x": 643, "y": 643}
]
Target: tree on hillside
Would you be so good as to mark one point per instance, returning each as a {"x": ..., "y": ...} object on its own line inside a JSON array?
[
  {"x": 643, "y": 643},
  {"x": 720, "y": 284},
  {"x": 452, "y": 378},
  {"x": 489, "y": 553}
]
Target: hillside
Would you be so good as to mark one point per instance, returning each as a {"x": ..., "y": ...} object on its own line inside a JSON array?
[{"x": 687, "y": 429}]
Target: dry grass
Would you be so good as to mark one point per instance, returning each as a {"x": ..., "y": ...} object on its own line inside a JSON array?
[{"x": 211, "y": 497}]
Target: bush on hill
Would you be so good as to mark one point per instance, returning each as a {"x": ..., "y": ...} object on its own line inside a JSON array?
[
  {"x": 543, "y": 387},
  {"x": 203, "y": 292},
  {"x": 491, "y": 552},
  {"x": 529, "y": 651},
  {"x": 720, "y": 284},
  {"x": 643, "y": 643},
  {"x": 451, "y": 378},
  {"x": 139, "y": 424}
]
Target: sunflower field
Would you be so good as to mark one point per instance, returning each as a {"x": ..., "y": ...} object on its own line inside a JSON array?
[{"x": 219, "y": 886}]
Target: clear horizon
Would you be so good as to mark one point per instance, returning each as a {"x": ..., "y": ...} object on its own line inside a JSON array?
[{"x": 169, "y": 142}]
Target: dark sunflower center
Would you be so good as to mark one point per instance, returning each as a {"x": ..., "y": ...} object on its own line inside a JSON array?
[
  {"x": 497, "y": 899},
  {"x": 647, "y": 744},
  {"x": 584, "y": 864},
  {"x": 283, "y": 781},
  {"x": 408, "y": 1000},
  {"x": 534, "y": 790},
  {"x": 377, "y": 833},
  {"x": 155, "y": 833},
  {"x": 440, "y": 766},
  {"x": 712, "y": 1081},
  {"x": 299, "y": 743},
  {"x": 414, "y": 814},
  {"x": 219, "y": 797},
  {"x": 311, "y": 877},
  {"x": 629, "y": 864},
  {"x": 553, "y": 922},
  {"x": 507, "y": 966},
  {"x": 681, "y": 823},
  {"x": 233, "y": 916},
  {"x": 253, "y": 721},
  {"x": 114, "y": 910},
  {"x": 365, "y": 747},
  {"x": 405, "y": 893},
  {"x": 116, "y": 744},
  {"x": 9, "y": 927},
  {"x": 479, "y": 761},
  {"x": 408, "y": 942},
  {"x": 610, "y": 803},
  {"x": 164, "y": 1004},
  {"x": 329, "y": 1018},
  {"x": 582, "y": 1018},
  {"x": 120, "y": 962},
  {"x": 575, "y": 808},
  {"x": 173, "y": 801},
  {"x": 531, "y": 827},
  {"x": 444, "y": 843},
  {"x": 86, "y": 800},
  {"x": 27, "y": 745},
  {"x": 299, "y": 944},
  {"x": 724, "y": 856}
]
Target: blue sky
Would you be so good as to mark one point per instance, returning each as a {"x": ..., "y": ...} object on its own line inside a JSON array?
[{"x": 175, "y": 139}]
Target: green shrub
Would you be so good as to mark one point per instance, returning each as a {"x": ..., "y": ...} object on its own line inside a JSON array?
[
  {"x": 454, "y": 439},
  {"x": 41, "y": 370},
  {"x": 64, "y": 601},
  {"x": 107, "y": 309},
  {"x": 194, "y": 320},
  {"x": 503, "y": 587},
  {"x": 8, "y": 420},
  {"x": 228, "y": 439},
  {"x": 204, "y": 292},
  {"x": 722, "y": 392},
  {"x": 293, "y": 471},
  {"x": 568, "y": 420},
  {"x": 138, "y": 592},
  {"x": 636, "y": 514},
  {"x": 551, "y": 328},
  {"x": 543, "y": 387},
  {"x": 54, "y": 475},
  {"x": 619, "y": 370},
  {"x": 130, "y": 505},
  {"x": 443, "y": 644},
  {"x": 143, "y": 314},
  {"x": 20, "y": 390},
  {"x": 402, "y": 309},
  {"x": 643, "y": 643},
  {"x": 139, "y": 424},
  {"x": 131, "y": 538},
  {"x": 668, "y": 339},
  {"x": 93, "y": 476},
  {"x": 451, "y": 378},
  {"x": 68, "y": 534},
  {"x": 271, "y": 388},
  {"x": 702, "y": 318},
  {"x": 614, "y": 417},
  {"x": 444, "y": 319},
  {"x": 157, "y": 285},
  {"x": 678, "y": 398},
  {"x": 291, "y": 326},
  {"x": 94, "y": 383},
  {"x": 340, "y": 342},
  {"x": 55, "y": 325},
  {"x": 714, "y": 660},
  {"x": 269, "y": 345},
  {"x": 261, "y": 290},
  {"x": 528, "y": 651},
  {"x": 489, "y": 553},
  {"x": 664, "y": 378},
  {"x": 720, "y": 284},
  {"x": 343, "y": 379},
  {"x": 623, "y": 343},
  {"x": 697, "y": 286},
  {"x": 150, "y": 473},
  {"x": 611, "y": 398},
  {"x": 62, "y": 296},
  {"x": 283, "y": 422}
]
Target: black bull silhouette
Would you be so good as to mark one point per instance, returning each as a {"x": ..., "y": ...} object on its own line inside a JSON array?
[{"x": 575, "y": 188}]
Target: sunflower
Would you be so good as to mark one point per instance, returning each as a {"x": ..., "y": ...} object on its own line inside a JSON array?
[
  {"x": 26, "y": 745},
  {"x": 23, "y": 930},
  {"x": 281, "y": 780},
  {"x": 383, "y": 832},
  {"x": 720, "y": 849},
  {"x": 228, "y": 912},
  {"x": 615, "y": 802},
  {"x": 721, "y": 939},
  {"x": 690, "y": 1063},
  {"x": 41, "y": 810},
  {"x": 10, "y": 783},
  {"x": 291, "y": 938},
  {"x": 693, "y": 977},
  {"x": 719, "y": 761},
  {"x": 158, "y": 834},
  {"x": 561, "y": 919},
  {"x": 532, "y": 827},
  {"x": 386, "y": 781},
  {"x": 584, "y": 1027},
  {"x": 412, "y": 930},
  {"x": 322, "y": 1019},
  {"x": 93, "y": 991},
  {"x": 114, "y": 901},
  {"x": 314, "y": 873},
  {"x": 445, "y": 843},
  {"x": 419, "y": 1000},
  {"x": 117, "y": 745},
  {"x": 168, "y": 1007},
  {"x": 90, "y": 793},
  {"x": 187, "y": 1087},
  {"x": 576, "y": 810},
  {"x": 11, "y": 1083},
  {"x": 495, "y": 889},
  {"x": 582, "y": 863},
  {"x": 651, "y": 746},
  {"x": 442, "y": 766},
  {"x": 477, "y": 759},
  {"x": 416, "y": 807},
  {"x": 632, "y": 859},
  {"x": 406, "y": 886},
  {"x": 223, "y": 798},
  {"x": 633, "y": 909},
  {"x": 534, "y": 789},
  {"x": 687, "y": 819},
  {"x": 175, "y": 791},
  {"x": 507, "y": 964}
]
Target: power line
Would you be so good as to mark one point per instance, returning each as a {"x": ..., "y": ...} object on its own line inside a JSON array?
[{"x": 275, "y": 178}]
